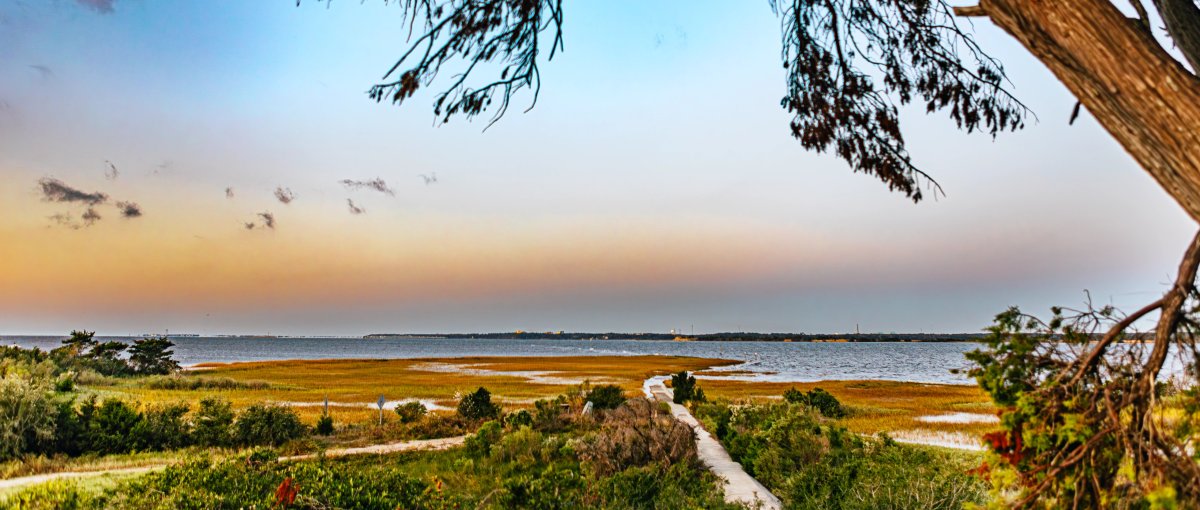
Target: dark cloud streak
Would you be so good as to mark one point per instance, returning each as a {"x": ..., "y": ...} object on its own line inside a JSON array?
[
  {"x": 129, "y": 209},
  {"x": 354, "y": 209},
  {"x": 376, "y": 184},
  {"x": 54, "y": 190}
]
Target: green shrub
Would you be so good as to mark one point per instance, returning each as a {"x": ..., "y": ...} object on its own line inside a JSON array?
[
  {"x": 479, "y": 444},
  {"x": 325, "y": 425},
  {"x": 518, "y": 419},
  {"x": 52, "y": 495},
  {"x": 685, "y": 389},
  {"x": 162, "y": 428},
  {"x": 548, "y": 414},
  {"x": 606, "y": 396},
  {"x": 267, "y": 425},
  {"x": 818, "y": 399},
  {"x": 411, "y": 411},
  {"x": 252, "y": 482},
  {"x": 111, "y": 428},
  {"x": 478, "y": 406},
  {"x": 64, "y": 384},
  {"x": 26, "y": 416},
  {"x": 811, "y": 464},
  {"x": 213, "y": 423}
]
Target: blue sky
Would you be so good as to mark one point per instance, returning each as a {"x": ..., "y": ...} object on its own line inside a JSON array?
[{"x": 655, "y": 185}]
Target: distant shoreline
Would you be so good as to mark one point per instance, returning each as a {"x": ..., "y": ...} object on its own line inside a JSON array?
[{"x": 710, "y": 337}]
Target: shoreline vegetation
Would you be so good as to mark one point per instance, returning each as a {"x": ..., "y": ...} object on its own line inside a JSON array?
[{"x": 573, "y": 426}]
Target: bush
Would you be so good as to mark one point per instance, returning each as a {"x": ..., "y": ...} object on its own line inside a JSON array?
[
  {"x": 685, "y": 389},
  {"x": 478, "y": 406},
  {"x": 606, "y": 396},
  {"x": 325, "y": 425},
  {"x": 111, "y": 428},
  {"x": 213, "y": 423},
  {"x": 635, "y": 434},
  {"x": 267, "y": 425},
  {"x": 26, "y": 416},
  {"x": 162, "y": 428},
  {"x": 479, "y": 444},
  {"x": 810, "y": 464},
  {"x": 64, "y": 384},
  {"x": 518, "y": 419},
  {"x": 411, "y": 411},
  {"x": 818, "y": 399},
  {"x": 548, "y": 414},
  {"x": 252, "y": 483}
]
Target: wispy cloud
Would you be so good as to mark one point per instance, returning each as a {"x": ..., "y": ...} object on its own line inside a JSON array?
[
  {"x": 110, "y": 171},
  {"x": 267, "y": 218},
  {"x": 45, "y": 72},
  {"x": 100, "y": 6},
  {"x": 129, "y": 209},
  {"x": 430, "y": 179},
  {"x": 228, "y": 192},
  {"x": 90, "y": 216},
  {"x": 354, "y": 209},
  {"x": 376, "y": 184},
  {"x": 284, "y": 195},
  {"x": 54, "y": 190}
]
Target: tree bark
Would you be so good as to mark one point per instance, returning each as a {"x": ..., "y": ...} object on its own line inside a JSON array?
[
  {"x": 1145, "y": 98},
  {"x": 1182, "y": 19}
]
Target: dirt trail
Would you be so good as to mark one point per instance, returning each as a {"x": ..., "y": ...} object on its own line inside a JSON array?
[
  {"x": 402, "y": 446},
  {"x": 740, "y": 487}
]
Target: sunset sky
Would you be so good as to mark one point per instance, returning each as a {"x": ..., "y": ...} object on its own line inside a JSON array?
[{"x": 655, "y": 185}]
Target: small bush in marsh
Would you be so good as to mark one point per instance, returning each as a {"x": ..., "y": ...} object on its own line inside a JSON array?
[{"x": 411, "y": 411}]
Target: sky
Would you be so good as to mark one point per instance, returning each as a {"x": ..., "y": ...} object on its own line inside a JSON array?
[{"x": 654, "y": 186}]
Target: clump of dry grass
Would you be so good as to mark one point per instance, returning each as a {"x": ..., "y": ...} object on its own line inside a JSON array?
[{"x": 637, "y": 434}]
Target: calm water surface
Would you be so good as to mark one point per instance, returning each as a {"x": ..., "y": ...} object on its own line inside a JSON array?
[{"x": 779, "y": 361}]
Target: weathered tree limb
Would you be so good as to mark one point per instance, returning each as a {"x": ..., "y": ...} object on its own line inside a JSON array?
[
  {"x": 1145, "y": 98},
  {"x": 1182, "y": 19}
]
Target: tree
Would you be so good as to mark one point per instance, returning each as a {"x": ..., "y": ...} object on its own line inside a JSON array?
[
  {"x": 684, "y": 388},
  {"x": 1092, "y": 412},
  {"x": 152, "y": 356},
  {"x": 478, "y": 406}
]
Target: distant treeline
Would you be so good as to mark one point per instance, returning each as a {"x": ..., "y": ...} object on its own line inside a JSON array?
[{"x": 711, "y": 337}]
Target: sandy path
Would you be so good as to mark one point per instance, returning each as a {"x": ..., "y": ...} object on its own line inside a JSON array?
[
  {"x": 740, "y": 487},
  {"x": 402, "y": 446}
]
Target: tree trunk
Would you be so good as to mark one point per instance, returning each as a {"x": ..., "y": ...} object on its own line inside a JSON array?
[{"x": 1147, "y": 100}]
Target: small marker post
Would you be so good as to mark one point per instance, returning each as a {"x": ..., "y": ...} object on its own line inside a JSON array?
[{"x": 380, "y": 403}]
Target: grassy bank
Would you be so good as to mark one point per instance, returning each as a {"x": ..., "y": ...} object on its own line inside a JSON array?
[{"x": 353, "y": 386}]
